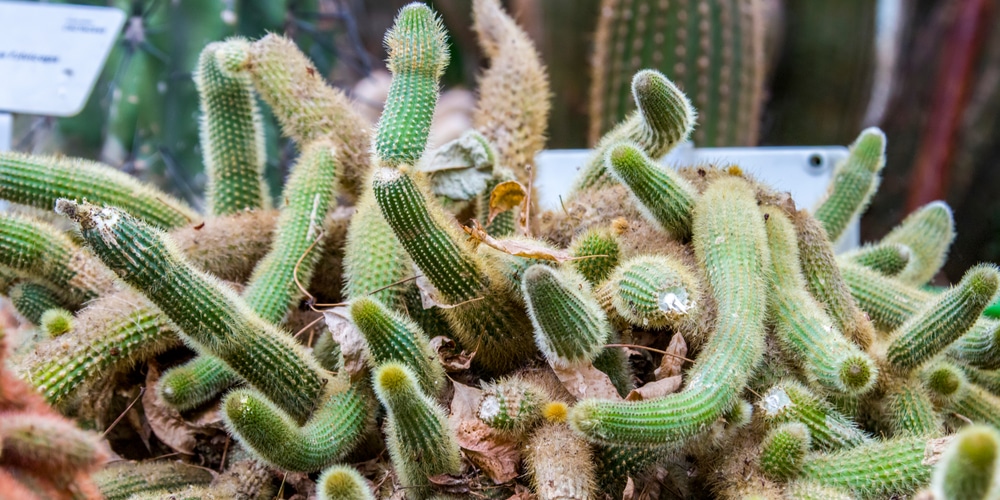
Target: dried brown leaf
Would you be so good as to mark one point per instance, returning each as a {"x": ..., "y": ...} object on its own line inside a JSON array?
[
  {"x": 672, "y": 361},
  {"x": 629, "y": 492},
  {"x": 504, "y": 197},
  {"x": 586, "y": 382},
  {"x": 167, "y": 423},
  {"x": 518, "y": 248},
  {"x": 352, "y": 344},
  {"x": 497, "y": 456},
  {"x": 451, "y": 360},
  {"x": 522, "y": 492},
  {"x": 655, "y": 389}
]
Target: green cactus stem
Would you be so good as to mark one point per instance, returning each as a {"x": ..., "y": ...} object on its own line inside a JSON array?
[
  {"x": 945, "y": 319},
  {"x": 928, "y": 232},
  {"x": 418, "y": 55},
  {"x": 374, "y": 273},
  {"x": 663, "y": 120},
  {"x": 108, "y": 337},
  {"x": 987, "y": 379},
  {"x": 392, "y": 337},
  {"x": 561, "y": 464},
  {"x": 39, "y": 251},
  {"x": 31, "y": 300},
  {"x": 980, "y": 347},
  {"x": 977, "y": 404},
  {"x": 121, "y": 480},
  {"x": 305, "y": 106},
  {"x": 483, "y": 315},
  {"x": 232, "y": 135},
  {"x": 714, "y": 51},
  {"x": 792, "y": 402},
  {"x": 970, "y": 467},
  {"x": 802, "y": 326},
  {"x": 945, "y": 381},
  {"x": 209, "y": 314},
  {"x": 855, "y": 181},
  {"x": 39, "y": 181},
  {"x": 888, "y": 301},
  {"x": 596, "y": 253},
  {"x": 342, "y": 482},
  {"x": 274, "y": 436},
  {"x": 653, "y": 291},
  {"x": 55, "y": 322},
  {"x": 805, "y": 490},
  {"x": 512, "y": 405},
  {"x": 570, "y": 327},
  {"x": 196, "y": 382},
  {"x": 911, "y": 412},
  {"x": 420, "y": 441},
  {"x": 665, "y": 197},
  {"x": 887, "y": 259},
  {"x": 730, "y": 241},
  {"x": 783, "y": 450},
  {"x": 896, "y": 466},
  {"x": 826, "y": 283},
  {"x": 615, "y": 464}
]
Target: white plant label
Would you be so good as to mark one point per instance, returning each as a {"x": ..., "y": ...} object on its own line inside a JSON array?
[{"x": 51, "y": 55}]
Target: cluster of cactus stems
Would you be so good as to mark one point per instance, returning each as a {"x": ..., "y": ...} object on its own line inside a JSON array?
[{"x": 801, "y": 373}]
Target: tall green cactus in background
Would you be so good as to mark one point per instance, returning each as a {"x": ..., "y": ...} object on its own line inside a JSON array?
[{"x": 712, "y": 50}]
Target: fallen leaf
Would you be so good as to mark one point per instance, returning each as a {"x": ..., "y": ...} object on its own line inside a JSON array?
[
  {"x": 504, "y": 197},
  {"x": 629, "y": 492},
  {"x": 167, "y": 423},
  {"x": 451, "y": 360},
  {"x": 522, "y": 492},
  {"x": 496, "y": 455},
  {"x": 528, "y": 249},
  {"x": 655, "y": 389},
  {"x": 451, "y": 485},
  {"x": 672, "y": 361},
  {"x": 462, "y": 168},
  {"x": 352, "y": 344},
  {"x": 586, "y": 382}
]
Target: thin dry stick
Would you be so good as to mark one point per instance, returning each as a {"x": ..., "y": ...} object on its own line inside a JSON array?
[
  {"x": 665, "y": 353},
  {"x": 142, "y": 390}
]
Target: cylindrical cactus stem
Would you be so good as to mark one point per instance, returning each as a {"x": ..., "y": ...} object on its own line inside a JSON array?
[
  {"x": 55, "y": 322},
  {"x": 392, "y": 337},
  {"x": 887, "y": 259},
  {"x": 911, "y": 412},
  {"x": 48, "y": 444},
  {"x": 38, "y": 250},
  {"x": 980, "y": 347},
  {"x": 420, "y": 441},
  {"x": 783, "y": 450},
  {"x": 274, "y": 436},
  {"x": 561, "y": 464},
  {"x": 513, "y": 107},
  {"x": 731, "y": 242},
  {"x": 121, "y": 480},
  {"x": 374, "y": 273},
  {"x": 615, "y": 464},
  {"x": 232, "y": 135},
  {"x": 596, "y": 253},
  {"x": 826, "y": 283},
  {"x": 31, "y": 300},
  {"x": 39, "y": 181},
  {"x": 944, "y": 319},
  {"x": 485, "y": 317},
  {"x": 306, "y": 107},
  {"x": 570, "y": 327},
  {"x": 418, "y": 55},
  {"x": 666, "y": 198},
  {"x": 342, "y": 482},
  {"x": 928, "y": 232},
  {"x": 791, "y": 402},
  {"x": 663, "y": 120},
  {"x": 976, "y": 404},
  {"x": 802, "y": 326},
  {"x": 854, "y": 182},
  {"x": 970, "y": 467},
  {"x": 228, "y": 247},
  {"x": 654, "y": 291},
  {"x": 805, "y": 490},
  {"x": 945, "y": 381},
  {"x": 512, "y": 405},
  {"x": 888, "y": 301},
  {"x": 987, "y": 379},
  {"x": 209, "y": 314},
  {"x": 896, "y": 466},
  {"x": 196, "y": 382},
  {"x": 108, "y": 337}
]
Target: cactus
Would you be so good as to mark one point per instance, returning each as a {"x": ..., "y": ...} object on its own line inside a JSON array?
[
  {"x": 124, "y": 479},
  {"x": 714, "y": 51},
  {"x": 969, "y": 467},
  {"x": 232, "y": 135},
  {"x": 872, "y": 469},
  {"x": 737, "y": 282},
  {"x": 420, "y": 442},
  {"x": 342, "y": 483},
  {"x": 32, "y": 300},
  {"x": 886, "y": 259},
  {"x": 666, "y": 198},
  {"x": 829, "y": 430},
  {"x": 912, "y": 412},
  {"x": 783, "y": 450},
  {"x": 653, "y": 292},
  {"x": 664, "y": 120},
  {"x": 928, "y": 233},
  {"x": 854, "y": 183},
  {"x": 512, "y": 405},
  {"x": 40, "y": 181},
  {"x": 55, "y": 322},
  {"x": 560, "y": 463},
  {"x": 570, "y": 327},
  {"x": 597, "y": 253}
]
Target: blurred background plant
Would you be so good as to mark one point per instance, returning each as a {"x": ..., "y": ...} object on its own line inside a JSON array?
[{"x": 761, "y": 72}]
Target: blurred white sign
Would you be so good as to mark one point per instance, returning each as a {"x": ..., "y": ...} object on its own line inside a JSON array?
[{"x": 50, "y": 55}]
